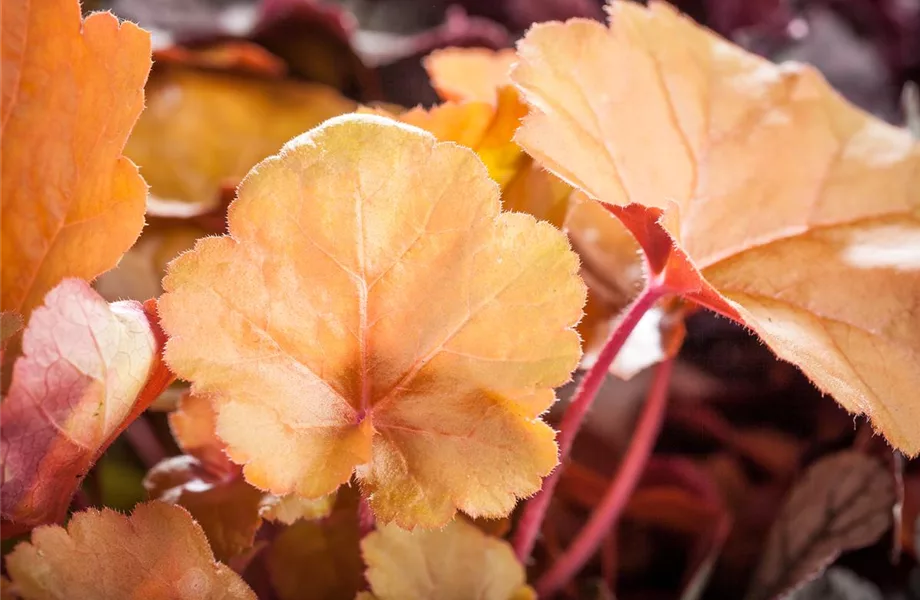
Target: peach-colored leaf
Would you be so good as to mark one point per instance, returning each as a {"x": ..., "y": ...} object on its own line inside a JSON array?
[
  {"x": 226, "y": 507},
  {"x": 782, "y": 198},
  {"x": 72, "y": 90},
  {"x": 459, "y": 561},
  {"x": 476, "y": 74},
  {"x": 88, "y": 369},
  {"x": 373, "y": 311},
  {"x": 158, "y": 553},
  {"x": 202, "y": 129}
]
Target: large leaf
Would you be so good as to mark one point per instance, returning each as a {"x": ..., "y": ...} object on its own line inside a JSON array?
[
  {"x": 72, "y": 90},
  {"x": 782, "y": 198},
  {"x": 372, "y": 311}
]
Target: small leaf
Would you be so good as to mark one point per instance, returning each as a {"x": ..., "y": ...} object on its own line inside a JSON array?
[
  {"x": 486, "y": 128},
  {"x": 88, "y": 369},
  {"x": 315, "y": 560},
  {"x": 456, "y": 562},
  {"x": 158, "y": 553},
  {"x": 203, "y": 129},
  {"x": 291, "y": 508},
  {"x": 194, "y": 426},
  {"x": 226, "y": 508},
  {"x": 843, "y": 502},
  {"x": 773, "y": 196},
  {"x": 72, "y": 90},
  {"x": 372, "y": 311},
  {"x": 464, "y": 74}
]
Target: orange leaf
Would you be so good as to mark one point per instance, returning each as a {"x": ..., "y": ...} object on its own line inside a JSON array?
[
  {"x": 158, "y": 553},
  {"x": 372, "y": 310},
  {"x": 459, "y": 561},
  {"x": 486, "y": 128},
  {"x": 463, "y": 74},
  {"x": 781, "y": 197},
  {"x": 203, "y": 129},
  {"x": 89, "y": 368},
  {"x": 72, "y": 205},
  {"x": 194, "y": 426}
]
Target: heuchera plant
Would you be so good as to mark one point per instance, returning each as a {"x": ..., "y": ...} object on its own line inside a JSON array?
[{"x": 372, "y": 340}]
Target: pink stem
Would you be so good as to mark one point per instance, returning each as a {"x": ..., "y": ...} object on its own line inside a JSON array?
[
  {"x": 618, "y": 492},
  {"x": 535, "y": 510},
  {"x": 141, "y": 436}
]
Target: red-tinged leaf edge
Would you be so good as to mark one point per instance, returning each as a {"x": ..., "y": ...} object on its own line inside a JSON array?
[
  {"x": 158, "y": 380},
  {"x": 668, "y": 263}
]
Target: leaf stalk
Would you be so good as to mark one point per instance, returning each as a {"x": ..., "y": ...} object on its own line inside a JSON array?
[{"x": 534, "y": 511}]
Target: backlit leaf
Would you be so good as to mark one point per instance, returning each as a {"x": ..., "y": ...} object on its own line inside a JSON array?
[
  {"x": 842, "y": 502},
  {"x": 203, "y": 129},
  {"x": 462, "y": 74},
  {"x": 372, "y": 311},
  {"x": 782, "y": 197},
  {"x": 72, "y": 90},
  {"x": 459, "y": 561},
  {"x": 486, "y": 128},
  {"x": 88, "y": 369},
  {"x": 158, "y": 553}
]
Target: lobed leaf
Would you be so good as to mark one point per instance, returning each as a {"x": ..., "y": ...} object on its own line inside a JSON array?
[
  {"x": 72, "y": 90},
  {"x": 371, "y": 311},
  {"x": 89, "y": 368},
  {"x": 459, "y": 561},
  {"x": 843, "y": 502},
  {"x": 158, "y": 553},
  {"x": 780, "y": 196}
]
